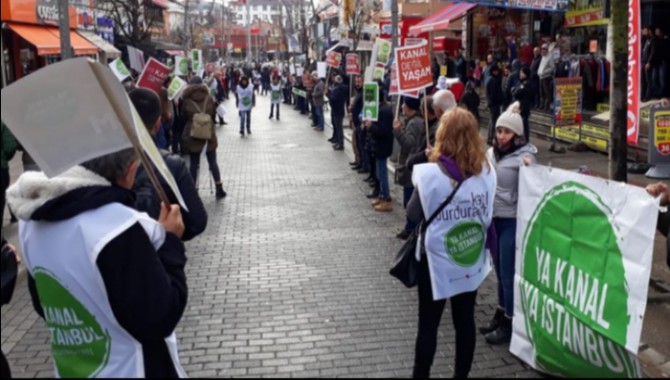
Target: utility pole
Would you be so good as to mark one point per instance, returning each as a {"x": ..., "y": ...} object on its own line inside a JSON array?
[
  {"x": 248, "y": 32},
  {"x": 64, "y": 22},
  {"x": 618, "y": 38}
]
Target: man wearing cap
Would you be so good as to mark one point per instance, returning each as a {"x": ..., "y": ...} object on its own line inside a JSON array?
[
  {"x": 546, "y": 73},
  {"x": 408, "y": 133},
  {"x": 317, "y": 101}
]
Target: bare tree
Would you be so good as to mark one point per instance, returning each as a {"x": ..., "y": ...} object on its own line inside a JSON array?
[{"x": 134, "y": 22}]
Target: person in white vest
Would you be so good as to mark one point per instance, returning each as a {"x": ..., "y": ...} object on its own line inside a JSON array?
[
  {"x": 246, "y": 100},
  {"x": 452, "y": 255},
  {"x": 275, "y": 97},
  {"x": 509, "y": 152},
  {"x": 108, "y": 281}
]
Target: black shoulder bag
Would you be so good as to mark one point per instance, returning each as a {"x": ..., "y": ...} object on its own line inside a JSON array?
[{"x": 405, "y": 267}]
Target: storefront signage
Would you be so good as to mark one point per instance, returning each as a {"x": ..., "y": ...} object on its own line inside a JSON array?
[
  {"x": 596, "y": 131},
  {"x": 659, "y": 144},
  {"x": 42, "y": 12},
  {"x": 634, "y": 80},
  {"x": 540, "y": 5},
  {"x": 585, "y": 256},
  {"x": 568, "y": 102}
]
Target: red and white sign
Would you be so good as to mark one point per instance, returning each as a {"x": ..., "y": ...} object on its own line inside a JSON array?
[
  {"x": 334, "y": 59},
  {"x": 154, "y": 75},
  {"x": 634, "y": 78},
  {"x": 413, "y": 67},
  {"x": 394, "y": 90},
  {"x": 586, "y": 18},
  {"x": 353, "y": 64}
]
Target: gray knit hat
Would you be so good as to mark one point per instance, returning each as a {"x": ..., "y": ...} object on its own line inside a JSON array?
[{"x": 511, "y": 119}]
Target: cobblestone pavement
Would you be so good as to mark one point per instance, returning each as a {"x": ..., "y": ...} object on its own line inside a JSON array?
[{"x": 291, "y": 277}]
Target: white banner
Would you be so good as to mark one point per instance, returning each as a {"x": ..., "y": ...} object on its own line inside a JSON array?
[
  {"x": 584, "y": 250},
  {"x": 119, "y": 69}
]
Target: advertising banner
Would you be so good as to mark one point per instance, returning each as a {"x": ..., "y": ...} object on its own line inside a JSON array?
[
  {"x": 119, "y": 69},
  {"x": 584, "y": 257},
  {"x": 154, "y": 75},
  {"x": 334, "y": 59},
  {"x": 568, "y": 102},
  {"x": 414, "y": 67},
  {"x": 353, "y": 64},
  {"x": 370, "y": 101},
  {"x": 634, "y": 78}
]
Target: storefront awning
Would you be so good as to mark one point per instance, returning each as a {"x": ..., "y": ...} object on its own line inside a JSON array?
[
  {"x": 441, "y": 19},
  {"x": 47, "y": 40},
  {"x": 109, "y": 49}
]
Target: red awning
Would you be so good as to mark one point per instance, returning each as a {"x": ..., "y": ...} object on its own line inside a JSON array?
[
  {"x": 47, "y": 39},
  {"x": 441, "y": 19}
]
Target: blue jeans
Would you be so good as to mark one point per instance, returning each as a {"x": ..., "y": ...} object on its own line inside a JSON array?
[
  {"x": 506, "y": 231},
  {"x": 245, "y": 118},
  {"x": 318, "y": 113},
  {"x": 383, "y": 177},
  {"x": 407, "y": 195}
]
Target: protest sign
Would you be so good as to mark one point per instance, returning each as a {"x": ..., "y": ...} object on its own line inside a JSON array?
[
  {"x": 177, "y": 85},
  {"x": 381, "y": 53},
  {"x": 136, "y": 58},
  {"x": 370, "y": 101},
  {"x": 52, "y": 111},
  {"x": 584, "y": 256},
  {"x": 568, "y": 102},
  {"x": 196, "y": 60},
  {"x": 299, "y": 71},
  {"x": 353, "y": 64},
  {"x": 154, "y": 75},
  {"x": 181, "y": 66},
  {"x": 394, "y": 90},
  {"x": 378, "y": 71},
  {"x": 334, "y": 59},
  {"x": 322, "y": 69},
  {"x": 291, "y": 69},
  {"x": 413, "y": 67},
  {"x": 119, "y": 69},
  {"x": 300, "y": 93}
]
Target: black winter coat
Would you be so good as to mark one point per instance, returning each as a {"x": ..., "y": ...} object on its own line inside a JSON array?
[
  {"x": 471, "y": 101},
  {"x": 494, "y": 92},
  {"x": 337, "y": 96},
  {"x": 524, "y": 94},
  {"x": 381, "y": 132},
  {"x": 195, "y": 219}
]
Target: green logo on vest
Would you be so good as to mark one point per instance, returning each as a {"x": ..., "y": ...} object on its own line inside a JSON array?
[
  {"x": 79, "y": 345},
  {"x": 573, "y": 291},
  {"x": 246, "y": 101},
  {"x": 464, "y": 243},
  {"x": 276, "y": 95}
]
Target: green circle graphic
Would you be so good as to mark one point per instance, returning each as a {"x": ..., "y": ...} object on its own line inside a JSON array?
[
  {"x": 121, "y": 68},
  {"x": 246, "y": 101},
  {"x": 577, "y": 326},
  {"x": 79, "y": 345},
  {"x": 464, "y": 243},
  {"x": 183, "y": 66}
]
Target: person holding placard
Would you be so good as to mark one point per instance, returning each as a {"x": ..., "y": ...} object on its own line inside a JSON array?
[
  {"x": 108, "y": 280},
  {"x": 195, "y": 219},
  {"x": 381, "y": 145},
  {"x": 196, "y": 106}
]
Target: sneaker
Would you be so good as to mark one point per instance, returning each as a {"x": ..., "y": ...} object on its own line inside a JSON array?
[
  {"x": 503, "y": 335},
  {"x": 494, "y": 323},
  {"x": 403, "y": 235},
  {"x": 384, "y": 206}
]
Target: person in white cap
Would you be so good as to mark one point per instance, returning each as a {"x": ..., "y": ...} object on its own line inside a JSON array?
[{"x": 510, "y": 150}]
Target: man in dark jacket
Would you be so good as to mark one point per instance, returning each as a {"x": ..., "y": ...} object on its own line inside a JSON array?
[
  {"x": 534, "y": 73},
  {"x": 656, "y": 190},
  {"x": 495, "y": 99},
  {"x": 523, "y": 93},
  {"x": 381, "y": 139},
  {"x": 653, "y": 65},
  {"x": 461, "y": 66},
  {"x": 355, "y": 109},
  {"x": 108, "y": 280},
  {"x": 195, "y": 219},
  {"x": 337, "y": 96}
]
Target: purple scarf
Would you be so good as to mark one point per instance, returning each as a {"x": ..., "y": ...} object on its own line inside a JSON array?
[{"x": 457, "y": 175}]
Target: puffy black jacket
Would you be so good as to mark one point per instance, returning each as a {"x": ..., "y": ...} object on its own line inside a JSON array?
[
  {"x": 195, "y": 219},
  {"x": 338, "y": 98},
  {"x": 525, "y": 95},
  {"x": 381, "y": 132},
  {"x": 494, "y": 92}
]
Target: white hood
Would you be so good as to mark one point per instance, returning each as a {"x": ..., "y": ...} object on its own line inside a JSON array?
[{"x": 34, "y": 189}]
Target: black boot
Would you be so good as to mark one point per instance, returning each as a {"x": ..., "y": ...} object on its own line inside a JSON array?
[
  {"x": 220, "y": 193},
  {"x": 503, "y": 335},
  {"x": 495, "y": 322}
]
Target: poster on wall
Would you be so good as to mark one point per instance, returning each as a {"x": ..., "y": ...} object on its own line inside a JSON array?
[
  {"x": 568, "y": 102},
  {"x": 584, "y": 258}
]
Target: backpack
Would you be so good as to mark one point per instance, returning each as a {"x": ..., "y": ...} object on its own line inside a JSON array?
[{"x": 202, "y": 124}]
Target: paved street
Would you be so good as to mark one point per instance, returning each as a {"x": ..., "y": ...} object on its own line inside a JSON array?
[{"x": 291, "y": 277}]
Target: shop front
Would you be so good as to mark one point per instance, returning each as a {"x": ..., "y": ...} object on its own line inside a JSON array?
[{"x": 31, "y": 38}]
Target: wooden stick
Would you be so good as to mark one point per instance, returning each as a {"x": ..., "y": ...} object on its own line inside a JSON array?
[
  {"x": 397, "y": 107},
  {"x": 425, "y": 118}
]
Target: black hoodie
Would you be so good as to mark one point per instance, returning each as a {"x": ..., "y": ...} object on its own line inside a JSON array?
[{"x": 146, "y": 287}]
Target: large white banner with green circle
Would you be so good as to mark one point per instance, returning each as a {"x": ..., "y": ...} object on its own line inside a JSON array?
[{"x": 584, "y": 254}]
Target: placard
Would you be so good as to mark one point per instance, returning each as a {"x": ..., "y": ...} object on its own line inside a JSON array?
[
  {"x": 370, "y": 101},
  {"x": 119, "y": 69},
  {"x": 353, "y": 64},
  {"x": 414, "y": 67},
  {"x": 154, "y": 75}
]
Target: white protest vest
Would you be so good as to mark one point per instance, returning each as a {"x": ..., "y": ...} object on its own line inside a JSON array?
[
  {"x": 245, "y": 96},
  {"x": 275, "y": 93},
  {"x": 86, "y": 338},
  {"x": 455, "y": 241}
]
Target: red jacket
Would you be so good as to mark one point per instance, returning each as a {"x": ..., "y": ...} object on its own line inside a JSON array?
[{"x": 457, "y": 89}]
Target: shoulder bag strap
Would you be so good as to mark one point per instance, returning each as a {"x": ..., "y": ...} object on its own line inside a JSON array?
[
  {"x": 442, "y": 206},
  {"x": 196, "y": 106}
]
